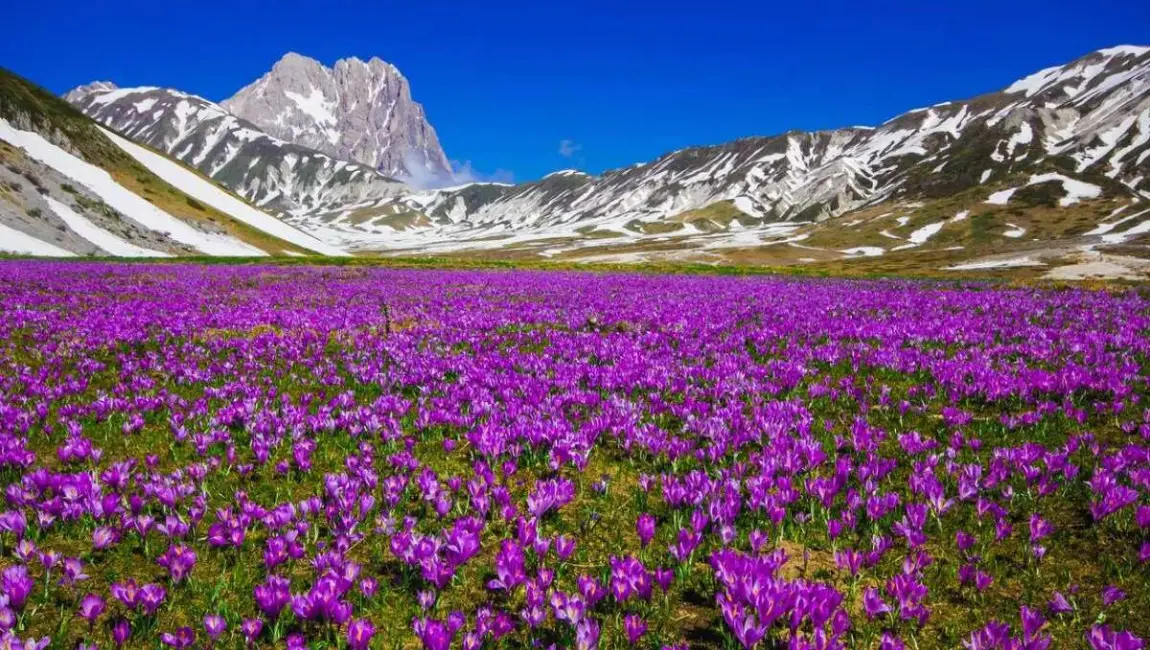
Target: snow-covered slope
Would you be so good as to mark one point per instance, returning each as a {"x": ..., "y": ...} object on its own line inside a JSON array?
[
  {"x": 202, "y": 190},
  {"x": 67, "y": 186},
  {"x": 270, "y": 172},
  {"x": 119, "y": 198}
]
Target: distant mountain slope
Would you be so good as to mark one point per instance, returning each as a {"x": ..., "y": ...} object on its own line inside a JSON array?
[
  {"x": 1059, "y": 159},
  {"x": 265, "y": 170},
  {"x": 1089, "y": 118},
  {"x": 67, "y": 187},
  {"x": 356, "y": 110}
]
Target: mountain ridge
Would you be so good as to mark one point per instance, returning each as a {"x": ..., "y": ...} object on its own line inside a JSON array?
[{"x": 1085, "y": 122}]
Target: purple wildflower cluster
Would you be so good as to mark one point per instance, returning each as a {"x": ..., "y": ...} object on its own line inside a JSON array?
[{"x": 350, "y": 457}]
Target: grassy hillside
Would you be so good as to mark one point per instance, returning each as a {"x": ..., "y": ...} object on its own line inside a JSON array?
[{"x": 29, "y": 106}]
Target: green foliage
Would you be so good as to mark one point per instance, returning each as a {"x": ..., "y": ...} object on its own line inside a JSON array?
[
  {"x": 1040, "y": 194},
  {"x": 982, "y": 227},
  {"x": 23, "y": 102}
]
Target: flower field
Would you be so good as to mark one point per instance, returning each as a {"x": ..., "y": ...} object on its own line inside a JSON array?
[{"x": 230, "y": 457}]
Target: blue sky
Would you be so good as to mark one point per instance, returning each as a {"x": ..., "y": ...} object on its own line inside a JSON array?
[{"x": 506, "y": 83}]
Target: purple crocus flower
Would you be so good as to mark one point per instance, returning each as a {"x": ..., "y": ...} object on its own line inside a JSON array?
[
  {"x": 121, "y": 631},
  {"x": 272, "y": 596},
  {"x": 151, "y": 597},
  {"x": 91, "y": 606},
  {"x": 104, "y": 537},
  {"x": 587, "y": 634},
  {"x": 645, "y": 527},
  {"x": 179, "y": 561},
  {"x": 1102, "y": 637},
  {"x": 635, "y": 627},
  {"x": 964, "y": 540},
  {"x": 509, "y": 566},
  {"x": 16, "y": 585},
  {"x": 73, "y": 571},
  {"x": 184, "y": 637},
  {"x": 873, "y": 604},
  {"x": 1032, "y": 622},
  {"x": 889, "y": 642},
  {"x": 359, "y": 633},
  {"x": 1039, "y": 528},
  {"x": 1059, "y": 604},
  {"x": 591, "y": 589},
  {"x": 25, "y": 551},
  {"x": 564, "y": 547},
  {"x": 433, "y": 633},
  {"x": 127, "y": 592},
  {"x": 7, "y": 616},
  {"x": 251, "y": 628},
  {"x": 215, "y": 626},
  {"x": 569, "y": 608},
  {"x": 1112, "y": 594}
]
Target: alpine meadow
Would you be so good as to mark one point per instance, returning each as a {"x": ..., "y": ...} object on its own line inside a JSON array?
[{"x": 276, "y": 371}]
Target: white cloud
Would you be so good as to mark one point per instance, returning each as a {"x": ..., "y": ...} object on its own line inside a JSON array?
[
  {"x": 421, "y": 178},
  {"x": 568, "y": 148},
  {"x": 465, "y": 173}
]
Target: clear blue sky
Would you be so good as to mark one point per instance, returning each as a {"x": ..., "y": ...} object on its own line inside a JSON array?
[{"x": 505, "y": 82}]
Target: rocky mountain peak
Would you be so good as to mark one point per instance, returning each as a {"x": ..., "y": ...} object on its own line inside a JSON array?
[
  {"x": 355, "y": 110},
  {"x": 88, "y": 89}
]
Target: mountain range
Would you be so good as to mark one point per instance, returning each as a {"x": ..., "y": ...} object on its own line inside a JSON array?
[{"x": 1050, "y": 172}]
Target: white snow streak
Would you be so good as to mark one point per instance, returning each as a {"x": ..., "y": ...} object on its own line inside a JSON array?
[
  {"x": 14, "y": 241},
  {"x": 1015, "y": 232},
  {"x": 102, "y": 239},
  {"x": 202, "y": 190},
  {"x": 995, "y": 264}
]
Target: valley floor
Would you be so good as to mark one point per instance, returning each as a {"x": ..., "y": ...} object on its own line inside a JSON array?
[{"x": 353, "y": 456}]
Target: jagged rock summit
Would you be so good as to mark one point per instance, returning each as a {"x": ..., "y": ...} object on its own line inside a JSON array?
[{"x": 356, "y": 110}]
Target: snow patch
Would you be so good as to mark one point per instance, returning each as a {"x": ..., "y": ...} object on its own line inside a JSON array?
[
  {"x": 315, "y": 105},
  {"x": 15, "y": 241},
  {"x": 864, "y": 251},
  {"x": 1124, "y": 50},
  {"x": 1075, "y": 189},
  {"x": 145, "y": 105},
  {"x": 102, "y": 239},
  {"x": 926, "y": 232},
  {"x": 1015, "y": 231},
  {"x": 566, "y": 172},
  {"x": 995, "y": 264},
  {"x": 1002, "y": 197}
]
